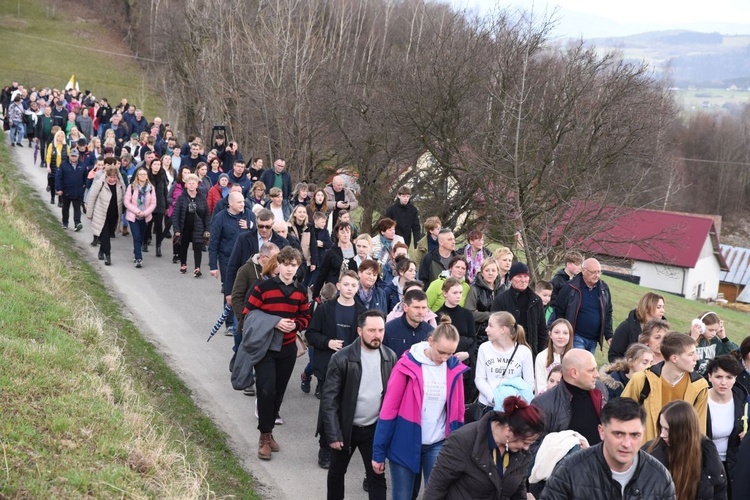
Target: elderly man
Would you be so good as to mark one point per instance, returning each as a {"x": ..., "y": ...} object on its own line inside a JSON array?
[
  {"x": 226, "y": 226},
  {"x": 585, "y": 301},
  {"x": 525, "y": 305},
  {"x": 278, "y": 177},
  {"x": 576, "y": 402},
  {"x": 70, "y": 182},
  {"x": 437, "y": 260},
  {"x": 339, "y": 198}
]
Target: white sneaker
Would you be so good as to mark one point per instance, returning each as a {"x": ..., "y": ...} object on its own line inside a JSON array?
[
  {"x": 279, "y": 421},
  {"x": 256, "y": 408}
]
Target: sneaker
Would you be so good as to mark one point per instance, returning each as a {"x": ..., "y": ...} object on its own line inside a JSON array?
[
  {"x": 138, "y": 263},
  {"x": 324, "y": 457},
  {"x": 249, "y": 391},
  {"x": 305, "y": 386},
  {"x": 317, "y": 391},
  {"x": 279, "y": 420},
  {"x": 79, "y": 226},
  {"x": 64, "y": 226},
  {"x": 229, "y": 332}
]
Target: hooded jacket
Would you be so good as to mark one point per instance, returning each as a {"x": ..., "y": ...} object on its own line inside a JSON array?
[
  {"x": 407, "y": 221},
  {"x": 696, "y": 394},
  {"x": 398, "y": 434}
]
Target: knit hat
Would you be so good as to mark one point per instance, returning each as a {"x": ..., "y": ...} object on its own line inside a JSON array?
[
  {"x": 82, "y": 141},
  {"x": 222, "y": 176},
  {"x": 518, "y": 268}
]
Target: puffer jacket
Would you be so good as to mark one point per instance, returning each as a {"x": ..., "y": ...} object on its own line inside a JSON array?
[
  {"x": 739, "y": 394},
  {"x": 131, "y": 202},
  {"x": 479, "y": 302},
  {"x": 339, "y": 398},
  {"x": 626, "y": 333},
  {"x": 98, "y": 202},
  {"x": 713, "y": 482},
  {"x": 586, "y": 476},
  {"x": 201, "y": 215},
  {"x": 160, "y": 183},
  {"x": 464, "y": 468}
]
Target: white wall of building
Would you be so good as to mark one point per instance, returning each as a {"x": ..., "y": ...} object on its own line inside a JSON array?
[{"x": 703, "y": 279}]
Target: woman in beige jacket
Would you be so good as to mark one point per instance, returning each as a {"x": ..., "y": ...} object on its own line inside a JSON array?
[{"x": 105, "y": 207}]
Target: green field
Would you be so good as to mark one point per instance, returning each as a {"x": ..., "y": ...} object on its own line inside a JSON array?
[
  {"x": 43, "y": 47},
  {"x": 710, "y": 99}
]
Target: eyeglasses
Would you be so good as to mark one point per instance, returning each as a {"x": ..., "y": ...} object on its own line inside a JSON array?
[
  {"x": 592, "y": 272},
  {"x": 263, "y": 226}
]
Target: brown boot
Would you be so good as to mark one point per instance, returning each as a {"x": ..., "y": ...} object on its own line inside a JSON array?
[
  {"x": 274, "y": 445},
  {"x": 264, "y": 446},
  {"x": 125, "y": 231}
]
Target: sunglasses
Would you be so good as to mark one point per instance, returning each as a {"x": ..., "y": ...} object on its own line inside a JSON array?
[{"x": 263, "y": 226}]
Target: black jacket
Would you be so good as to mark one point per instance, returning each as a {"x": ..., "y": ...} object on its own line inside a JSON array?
[
  {"x": 339, "y": 398},
  {"x": 200, "y": 224},
  {"x": 627, "y": 333},
  {"x": 568, "y": 303},
  {"x": 557, "y": 282},
  {"x": 713, "y": 482},
  {"x": 536, "y": 325},
  {"x": 160, "y": 183},
  {"x": 245, "y": 247},
  {"x": 322, "y": 329},
  {"x": 431, "y": 266},
  {"x": 464, "y": 468},
  {"x": 739, "y": 394},
  {"x": 585, "y": 475},
  {"x": 330, "y": 268},
  {"x": 407, "y": 221}
]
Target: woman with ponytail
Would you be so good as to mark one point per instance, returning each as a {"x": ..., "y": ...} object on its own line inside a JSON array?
[
  {"x": 423, "y": 404},
  {"x": 506, "y": 355},
  {"x": 499, "y": 442}
]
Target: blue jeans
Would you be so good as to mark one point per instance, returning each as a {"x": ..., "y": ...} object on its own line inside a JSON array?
[
  {"x": 584, "y": 343},
  {"x": 405, "y": 483},
  {"x": 17, "y": 132},
  {"x": 138, "y": 229}
]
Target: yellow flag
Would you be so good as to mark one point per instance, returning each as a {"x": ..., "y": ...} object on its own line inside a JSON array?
[{"x": 71, "y": 84}]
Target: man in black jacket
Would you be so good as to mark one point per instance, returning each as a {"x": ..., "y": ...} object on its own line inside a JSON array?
[
  {"x": 573, "y": 261},
  {"x": 525, "y": 305},
  {"x": 353, "y": 393},
  {"x": 333, "y": 327},
  {"x": 615, "y": 468},
  {"x": 406, "y": 216}
]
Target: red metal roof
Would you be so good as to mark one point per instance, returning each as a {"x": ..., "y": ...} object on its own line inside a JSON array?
[{"x": 670, "y": 238}]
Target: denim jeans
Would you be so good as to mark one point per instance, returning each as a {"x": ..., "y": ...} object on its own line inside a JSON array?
[
  {"x": 405, "y": 483},
  {"x": 17, "y": 132},
  {"x": 584, "y": 343},
  {"x": 138, "y": 230}
]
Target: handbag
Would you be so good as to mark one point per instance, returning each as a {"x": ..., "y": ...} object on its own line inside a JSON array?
[
  {"x": 301, "y": 345},
  {"x": 206, "y": 237},
  {"x": 476, "y": 410}
]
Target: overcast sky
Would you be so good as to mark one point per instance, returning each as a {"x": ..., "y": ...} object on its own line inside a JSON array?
[{"x": 595, "y": 18}]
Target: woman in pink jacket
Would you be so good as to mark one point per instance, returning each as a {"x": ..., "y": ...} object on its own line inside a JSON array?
[
  {"x": 424, "y": 402},
  {"x": 140, "y": 202}
]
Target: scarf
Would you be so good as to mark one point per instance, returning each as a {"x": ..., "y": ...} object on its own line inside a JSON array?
[
  {"x": 366, "y": 297},
  {"x": 142, "y": 197},
  {"x": 474, "y": 260}
]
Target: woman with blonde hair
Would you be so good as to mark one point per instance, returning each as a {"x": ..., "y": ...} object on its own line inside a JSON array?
[
  {"x": 105, "y": 201},
  {"x": 504, "y": 258},
  {"x": 140, "y": 203},
  {"x": 616, "y": 375},
  {"x": 57, "y": 152},
  {"x": 190, "y": 222},
  {"x": 559, "y": 342},
  {"x": 651, "y": 306}
]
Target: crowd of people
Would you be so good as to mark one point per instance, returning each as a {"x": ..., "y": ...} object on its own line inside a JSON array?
[{"x": 439, "y": 359}]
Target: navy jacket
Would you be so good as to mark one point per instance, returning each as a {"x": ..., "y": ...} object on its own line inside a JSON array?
[
  {"x": 71, "y": 180},
  {"x": 225, "y": 228},
  {"x": 400, "y": 336},
  {"x": 242, "y": 181},
  {"x": 568, "y": 304},
  {"x": 245, "y": 247}
]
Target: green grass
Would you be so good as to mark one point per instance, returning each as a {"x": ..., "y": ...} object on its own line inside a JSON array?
[
  {"x": 44, "y": 50},
  {"x": 79, "y": 386}
]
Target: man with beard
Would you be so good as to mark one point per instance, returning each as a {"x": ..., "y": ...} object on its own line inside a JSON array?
[{"x": 352, "y": 395}]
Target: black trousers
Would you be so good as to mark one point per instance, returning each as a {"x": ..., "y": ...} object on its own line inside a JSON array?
[
  {"x": 197, "y": 250},
  {"x": 105, "y": 237},
  {"x": 361, "y": 438},
  {"x": 272, "y": 375},
  {"x": 156, "y": 228},
  {"x": 66, "y": 210}
]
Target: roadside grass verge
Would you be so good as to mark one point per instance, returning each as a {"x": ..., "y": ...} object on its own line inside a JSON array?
[
  {"x": 87, "y": 406},
  {"x": 50, "y": 41}
]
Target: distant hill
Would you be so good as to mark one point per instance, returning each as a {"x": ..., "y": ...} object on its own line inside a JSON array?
[{"x": 689, "y": 58}]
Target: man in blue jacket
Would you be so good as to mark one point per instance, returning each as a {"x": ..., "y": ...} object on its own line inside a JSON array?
[
  {"x": 226, "y": 226},
  {"x": 403, "y": 332},
  {"x": 278, "y": 177},
  {"x": 70, "y": 181}
]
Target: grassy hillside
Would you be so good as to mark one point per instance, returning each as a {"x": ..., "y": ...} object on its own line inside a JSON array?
[
  {"x": 47, "y": 43},
  {"x": 87, "y": 406},
  {"x": 680, "y": 312}
]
